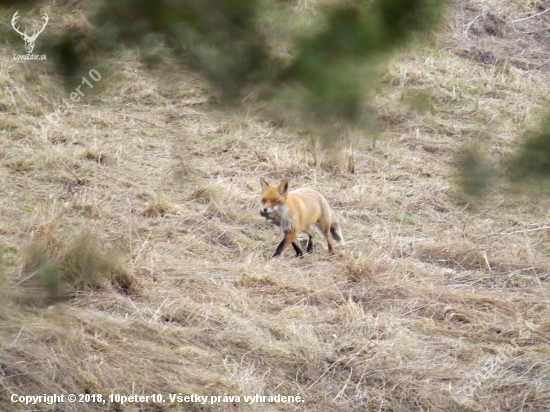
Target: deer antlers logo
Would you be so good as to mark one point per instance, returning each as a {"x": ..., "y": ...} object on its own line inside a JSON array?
[{"x": 29, "y": 40}]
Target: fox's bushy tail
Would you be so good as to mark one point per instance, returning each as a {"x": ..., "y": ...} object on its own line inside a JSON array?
[{"x": 336, "y": 232}]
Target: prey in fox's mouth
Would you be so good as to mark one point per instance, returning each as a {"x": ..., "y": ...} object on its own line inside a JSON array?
[{"x": 273, "y": 217}]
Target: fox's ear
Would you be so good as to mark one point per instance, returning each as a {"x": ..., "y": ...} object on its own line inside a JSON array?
[
  {"x": 264, "y": 185},
  {"x": 283, "y": 187}
]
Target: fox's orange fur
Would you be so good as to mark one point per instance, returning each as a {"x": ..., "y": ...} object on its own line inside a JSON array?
[{"x": 298, "y": 211}]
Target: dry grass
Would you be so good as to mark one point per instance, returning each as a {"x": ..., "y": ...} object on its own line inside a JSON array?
[
  {"x": 431, "y": 304},
  {"x": 60, "y": 261}
]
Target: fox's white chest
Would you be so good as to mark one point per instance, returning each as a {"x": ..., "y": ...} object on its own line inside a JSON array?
[{"x": 286, "y": 221}]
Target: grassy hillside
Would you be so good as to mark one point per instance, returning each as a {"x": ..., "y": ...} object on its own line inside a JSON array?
[{"x": 135, "y": 261}]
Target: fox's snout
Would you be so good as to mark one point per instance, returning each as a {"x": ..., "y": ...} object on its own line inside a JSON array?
[{"x": 268, "y": 210}]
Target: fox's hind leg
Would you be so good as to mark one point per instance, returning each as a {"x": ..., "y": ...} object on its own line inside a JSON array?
[
  {"x": 328, "y": 236},
  {"x": 309, "y": 248},
  {"x": 310, "y": 233}
]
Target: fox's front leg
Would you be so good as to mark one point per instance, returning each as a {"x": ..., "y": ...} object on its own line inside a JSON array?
[{"x": 289, "y": 239}]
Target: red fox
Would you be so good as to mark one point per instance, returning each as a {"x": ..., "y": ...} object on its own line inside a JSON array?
[{"x": 298, "y": 211}]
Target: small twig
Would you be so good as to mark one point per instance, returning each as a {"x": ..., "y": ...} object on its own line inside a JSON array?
[
  {"x": 221, "y": 234},
  {"x": 137, "y": 310},
  {"x": 465, "y": 207},
  {"x": 17, "y": 337},
  {"x": 514, "y": 232},
  {"x": 415, "y": 309},
  {"x": 70, "y": 171},
  {"x": 108, "y": 194},
  {"x": 28, "y": 277},
  {"x": 141, "y": 248},
  {"x": 345, "y": 385},
  {"x": 532, "y": 261},
  {"x": 464, "y": 227},
  {"x": 155, "y": 314},
  {"x": 472, "y": 22},
  {"x": 323, "y": 374},
  {"x": 484, "y": 254},
  {"x": 530, "y": 17},
  {"x": 130, "y": 224}
]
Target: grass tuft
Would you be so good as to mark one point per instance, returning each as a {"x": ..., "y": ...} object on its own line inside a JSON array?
[
  {"x": 57, "y": 265},
  {"x": 158, "y": 207}
]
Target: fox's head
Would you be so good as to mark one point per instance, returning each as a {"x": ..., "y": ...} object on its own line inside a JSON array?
[{"x": 273, "y": 197}]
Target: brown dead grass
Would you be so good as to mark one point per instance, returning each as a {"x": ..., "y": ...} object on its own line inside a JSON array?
[{"x": 431, "y": 303}]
